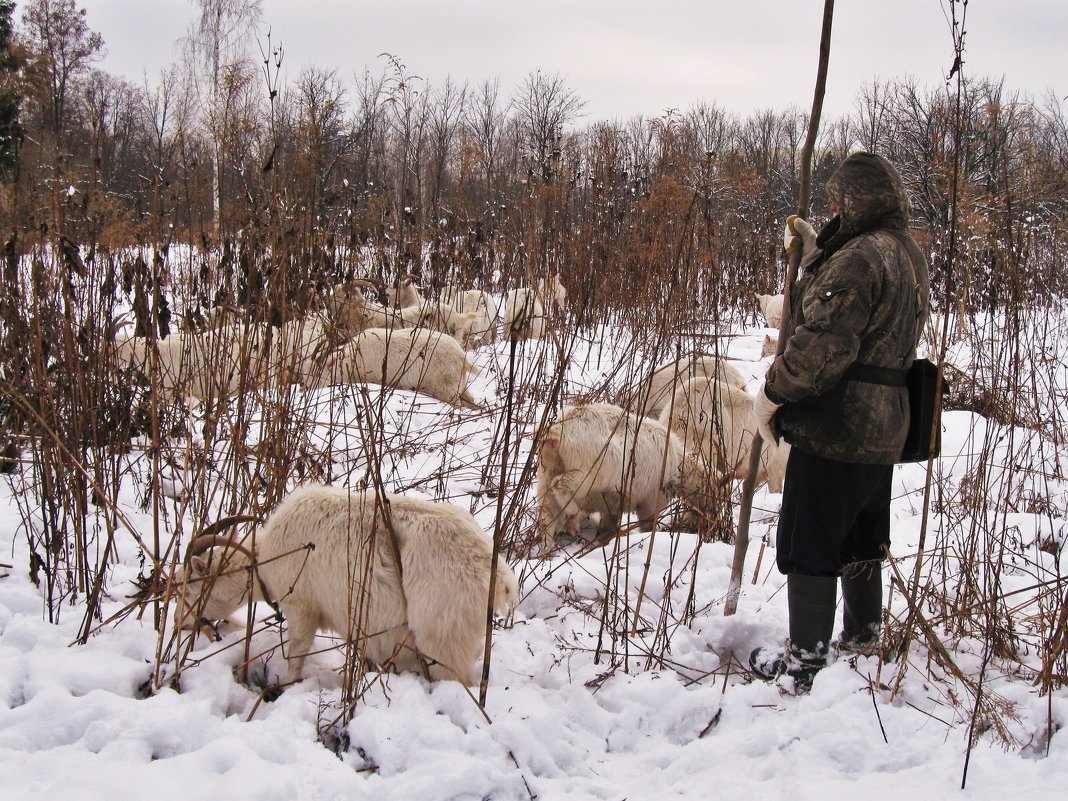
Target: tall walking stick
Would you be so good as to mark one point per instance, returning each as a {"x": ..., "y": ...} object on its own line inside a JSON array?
[{"x": 741, "y": 540}]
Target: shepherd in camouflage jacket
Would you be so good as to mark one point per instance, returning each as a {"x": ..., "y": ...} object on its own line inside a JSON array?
[
  {"x": 857, "y": 313},
  {"x": 857, "y": 302}
]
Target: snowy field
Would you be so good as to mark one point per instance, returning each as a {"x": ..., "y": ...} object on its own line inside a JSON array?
[{"x": 653, "y": 705}]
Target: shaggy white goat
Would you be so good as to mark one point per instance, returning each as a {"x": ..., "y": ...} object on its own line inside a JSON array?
[
  {"x": 524, "y": 315},
  {"x": 327, "y": 558},
  {"x": 211, "y": 364},
  {"x": 406, "y": 294},
  {"x": 551, "y": 290},
  {"x": 351, "y": 312},
  {"x": 440, "y": 316},
  {"x": 405, "y": 358},
  {"x": 713, "y": 419},
  {"x": 483, "y": 328},
  {"x": 300, "y": 348},
  {"x": 667, "y": 377},
  {"x": 600, "y": 458},
  {"x": 771, "y": 306}
]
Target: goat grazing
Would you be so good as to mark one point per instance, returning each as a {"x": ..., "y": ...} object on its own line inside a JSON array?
[
  {"x": 713, "y": 419},
  {"x": 327, "y": 557},
  {"x": 600, "y": 458},
  {"x": 665, "y": 378},
  {"x": 211, "y": 364}
]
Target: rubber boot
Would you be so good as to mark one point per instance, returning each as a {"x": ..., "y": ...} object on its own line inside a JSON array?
[
  {"x": 862, "y": 607},
  {"x": 811, "y": 600}
]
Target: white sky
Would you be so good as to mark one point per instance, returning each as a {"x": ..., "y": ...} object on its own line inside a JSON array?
[{"x": 626, "y": 57}]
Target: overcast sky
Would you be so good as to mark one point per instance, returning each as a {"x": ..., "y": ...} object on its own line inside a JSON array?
[{"x": 625, "y": 57}]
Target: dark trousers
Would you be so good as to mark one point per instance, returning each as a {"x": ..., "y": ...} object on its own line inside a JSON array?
[{"x": 833, "y": 514}]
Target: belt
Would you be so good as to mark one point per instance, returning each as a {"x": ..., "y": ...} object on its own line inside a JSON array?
[{"x": 870, "y": 374}]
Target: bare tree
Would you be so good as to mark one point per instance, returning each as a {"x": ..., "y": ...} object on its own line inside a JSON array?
[
  {"x": 11, "y": 63},
  {"x": 485, "y": 124},
  {"x": 545, "y": 105},
  {"x": 63, "y": 48},
  {"x": 871, "y": 112},
  {"x": 407, "y": 115},
  {"x": 369, "y": 125},
  {"x": 216, "y": 44},
  {"x": 161, "y": 113},
  {"x": 446, "y": 115},
  {"x": 322, "y": 135}
]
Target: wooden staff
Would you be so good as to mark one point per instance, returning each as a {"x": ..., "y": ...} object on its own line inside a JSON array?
[{"x": 741, "y": 539}]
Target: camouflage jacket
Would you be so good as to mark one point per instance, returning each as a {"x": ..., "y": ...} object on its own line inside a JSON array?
[{"x": 856, "y": 303}]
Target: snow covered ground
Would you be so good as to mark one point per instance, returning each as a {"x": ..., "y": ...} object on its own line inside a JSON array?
[{"x": 574, "y": 710}]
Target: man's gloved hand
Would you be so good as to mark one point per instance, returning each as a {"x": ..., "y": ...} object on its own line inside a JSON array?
[
  {"x": 800, "y": 234},
  {"x": 764, "y": 409}
]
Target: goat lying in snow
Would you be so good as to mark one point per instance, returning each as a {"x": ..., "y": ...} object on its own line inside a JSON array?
[
  {"x": 351, "y": 312},
  {"x": 211, "y": 364},
  {"x": 217, "y": 362},
  {"x": 713, "y": 420},
  {"x": 665, "y": 378},
  {"x": 601, "y": 458},
  {"x": 413, "y": 310},
  {"x": 416, "y": 359},
  {"x": 443, "y": 317},
  {"x": 327, "y": 558},
  {"x": 771, "y": 307}
]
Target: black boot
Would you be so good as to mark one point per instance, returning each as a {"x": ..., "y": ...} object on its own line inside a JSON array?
[
  {"x": 862, "y": 607},
  {"x": 811, "y": 600}
]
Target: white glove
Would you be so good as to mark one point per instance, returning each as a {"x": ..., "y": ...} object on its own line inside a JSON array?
[
  {"x": 799, "y": 233},
  {"x": 764, "y": 409}
]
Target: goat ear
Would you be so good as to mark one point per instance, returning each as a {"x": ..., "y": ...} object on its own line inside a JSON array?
[{"x": 198, "y": 565}]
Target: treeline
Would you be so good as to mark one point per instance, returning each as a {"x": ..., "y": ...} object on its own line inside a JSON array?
[{"x": 466, "y": 182}]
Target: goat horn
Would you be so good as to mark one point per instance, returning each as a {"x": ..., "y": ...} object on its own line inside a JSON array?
[
  {"x": 119, "y": 323},
  {"x": 201, "y": 544},
  {"x": 210, "y": 537},
  {"x": 364, "y": 282}
]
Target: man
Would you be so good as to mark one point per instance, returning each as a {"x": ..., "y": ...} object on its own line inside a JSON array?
[{"x": 837, "y": 395}]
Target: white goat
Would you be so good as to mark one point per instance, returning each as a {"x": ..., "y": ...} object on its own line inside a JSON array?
[
  {"x": 524, "y": 308},
  {"x": 440, "y": 316},
  {"x": 551, "y": 290},
  {"x": 410, "y": 358},
  {"x": 713, "y": 419},
  {"x": 406, "y": 294},
  {"x": 300, "y": 348},
  {"x": 600, "y": 458},
  {"x": 771, "y": 306},
  {"x": 212, "y": 364},
  {"x": 667, "y": 377},
  {"x": 524, "y": 315},
  {"x": 483, "y": 328},
  {"x": 351, "y": 312},
  {"x": 327, "y": 558}
]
